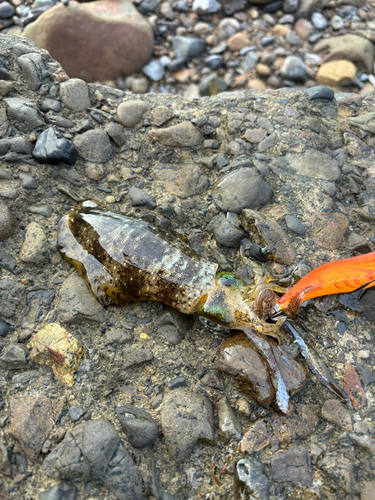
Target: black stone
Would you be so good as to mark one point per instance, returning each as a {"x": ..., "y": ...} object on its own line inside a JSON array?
[
  {"x": 53, "y": 148},
  {"x": 5, "y": 328},
  {"x": 179, "y": 381},
  {"x": 214, "y": 61},
  {"x": 139, "y": 426},
  {"x": 176, "y": 65},
  {"x": 187, "y": 48},
  {"x": 320, "y": 92},
  {"x": 4, "y": 73}
]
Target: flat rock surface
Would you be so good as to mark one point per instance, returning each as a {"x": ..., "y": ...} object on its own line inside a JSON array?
[{"x": 309, "y": 173}]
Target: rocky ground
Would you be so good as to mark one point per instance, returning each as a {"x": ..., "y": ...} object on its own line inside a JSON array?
[
  {"x": 204, "y": 47},
  {"x": 160, "y": 406}
]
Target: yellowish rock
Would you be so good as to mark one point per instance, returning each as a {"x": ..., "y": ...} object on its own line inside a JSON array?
[
  {"x": 54, "y": 346},
  {"x": 280, "y": 29},
  {"x": 238, "y": 41},
  {"x": 336, "y": 73},
  {"x": 262, "y": 69},
  {"x": 255, "y": 83}
]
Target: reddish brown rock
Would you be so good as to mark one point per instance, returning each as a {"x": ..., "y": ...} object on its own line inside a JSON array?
[
  {"x": 32, "y": 421},
  {"x": 101, "y": 40},
  {"x": 353, "y": 388},
  {"x": 328, "y": 229}
]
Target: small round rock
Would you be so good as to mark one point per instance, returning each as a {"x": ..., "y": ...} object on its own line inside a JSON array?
[
  {"x": 8, "y": 222},
  {"x": 295, "y": 224},
  {"x": 320, "y": 92}
]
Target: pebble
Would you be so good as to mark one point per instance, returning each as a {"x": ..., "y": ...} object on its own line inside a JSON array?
[
  {"x": 118, "y": 336},
  {"x": 8, "y": 223},
  {"x": 10, "y": 294},
  {"x": 139, "y": 426},
  {"x": 24, "y": 113},
  {"x": 6, "y": 10},
  {"x": 56, "y": 347},
  {"x": 292, "y": 465},
  {"x": 238, "y": 41},
  {"x": 33, "y": 69},
  {"x": 154, "y": 70},
  {"x": 320, "y": 92},
  {"x": 76, "y": 302},
  {"x": 336, "y": 73},
  {"x": 181, "y": 180},
  {"x": 53, "y": 148},
  {"x": 135, "y": 355},
  {"x": 138, "y": 198},
  {"x": 295, "y": 224},
  {"x": 129, "y": 113},
  {"x": 174, "y": 325},
  {"x": 161, "y": 115},
  {"x": 249, "y": 62},
  {"x": 241, "y": 189},
  {"x": 94, "y": 146},
  {"x": 293, "y": 68},
  {"x": 186, "y": 48},
  {"x": 337, "y": 23},
  {"x": 212, "y": 85},
  {"x": 13, "y": 357},
  {"x": 181, "y": 432},
  {"x": 75, "y": 412},
  {"x": 85, "y": 454},
  {"x": 5, "y": 328},
  {"x": 205, "y": 6},
  {"x": 34, "y": 249},
  {"x": 59, "y": 491},
  {"x": 32, "y": 419},
  {"x": 183, "y": 134},
  {"x": 177, "y": 382},
  {"x": 229, "y": 425},
  {"x": 251, "y": 479},
  {"x": 226, "y": 234},
  {"x": 319, "y": 21},
  {"x": 74, "y": 93}
]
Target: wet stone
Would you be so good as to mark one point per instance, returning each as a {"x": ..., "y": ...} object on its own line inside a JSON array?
[
  {"x": 328, "y": 229},
  {"x": 74, "y": 94},
  {"x": 241, "y": 189},
  {"x": 54, "y": 346},
  {"x": 140, "y": 427},
  {"x": 32, "y": 419},
  {"x": 8, "y": 223},
  {"x": 129, "y": 113},
  {"x": 271, "y": 236},
  {"x": 295, "y": 225},
  {"x": 186, "y": 418},
  {"x": 13, "y": 357},
  {"x": 292, "y": 465},
  {"x": 174, "y": 325},
  {"x": 93, "y": 451},
  {"x": 138, "y": 198},
  {"x": 52, "y": 147},
  {"x": 75, "y": 413},
  {"x": 250, "y": 480},
  {"x": 34, "y": 249},
  {"x": 10, "y": 294},
  {"x": 229, "y": 425},
  {"x": 184, "y": 134},
  {"x": 76, "y": 302},
  {"x": 94, "y": 146}
]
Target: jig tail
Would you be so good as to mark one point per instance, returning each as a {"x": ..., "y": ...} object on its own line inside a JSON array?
[{"x": 340, "y": 276}]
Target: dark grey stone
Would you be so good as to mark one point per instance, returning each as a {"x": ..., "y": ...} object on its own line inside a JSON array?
[
  {"x": 33, "y": 68},
  {"x": 250, "y": 479},
  {"x": 174, "y": 325},
  {"x": 214, "y": 61},
  {"x": 7, "y": 261},
  {"x": 5, "y": 328},
  {"x": 139, "y": 198},
  {"x": 13, "y": 357},
  {"x": 148, "y": 6},
  {"x": 24, "y": 113},
  {"x": 140, "y": 427},
  {"x": 53, "y": 148},
  {"x": 176, "y": 65},
  {"x": 28, "y": 182},
  {"x": 320, "y": 92},
  {"x": 226, "y": 234},
  {"x": 10, "y": 293},
  {"x": 76, "y": 412},
  {"x": 6, "y": 10},
  {"x": 186, "y": 48},
  {"x": 179, "y": 381},
  {"x": 60, "y": 491},
  {"x": 93, "y": 451},
  {"x": 295, "y": 224},
  {"x": 240, "y": 189},
  {"x": 249, "y": 61},
  {"x": 293, "y": 68}
]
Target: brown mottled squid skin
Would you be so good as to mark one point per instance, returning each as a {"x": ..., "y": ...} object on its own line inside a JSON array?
[{"x": 125, "y": 260}]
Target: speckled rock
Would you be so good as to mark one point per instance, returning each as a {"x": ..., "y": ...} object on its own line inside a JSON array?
[
  {"x": 74, "y": 94},
  {"x": 328, "y": 229},
  {"x": 181, "y": 180},
  {"x": 35, "y": 248},
  {"x": 250, "y": 479},
  {"x": 129, "y": 113},
  {"x": 94, "y": 146}
]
